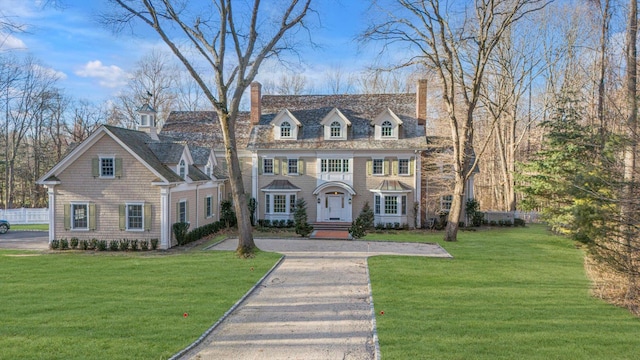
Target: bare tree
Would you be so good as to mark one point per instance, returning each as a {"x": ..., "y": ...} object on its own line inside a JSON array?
[
  {"x": 233, "y": 39},
  {"x": 286, "y": 84},
  {"x": 456, "y": 42}
]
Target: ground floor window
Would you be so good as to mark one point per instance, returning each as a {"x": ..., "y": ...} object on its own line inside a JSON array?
[
  {"x": 208, "y": 206},
  {"x": 182, "y": 211},
  {"x": 135, "y": 217},
  {"x": 283, "y": 204},
  {"x": 445, "y": 202},
  {"x": 80, "y": 216}
]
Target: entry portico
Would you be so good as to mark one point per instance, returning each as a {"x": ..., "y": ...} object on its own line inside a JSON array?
[{"x": 333, "y": 202}]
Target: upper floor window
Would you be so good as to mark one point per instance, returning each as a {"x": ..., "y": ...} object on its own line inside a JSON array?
[
  {"x": 386, "y": 128},
  {"x": 107, "y": 167},
  {"x": 135, "y": 217},
  {"x": 334, "y": 165},
  {"x": 403, "y": 167},
  {"x": 267, "y": 166},
  {"x": 182, "y": 169},
  {"x": 285, "y": 129},
  {"x": 144, "y": 120},
  {"x": 336, "y": 129},
  {"x": 292, "y": 166},
  {"x": 378, "y": 166}
]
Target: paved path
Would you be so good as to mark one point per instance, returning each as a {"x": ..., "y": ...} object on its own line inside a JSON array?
[{"x": 315, "y": 305}]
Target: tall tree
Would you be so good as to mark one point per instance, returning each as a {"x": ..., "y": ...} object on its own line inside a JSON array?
[
  {"x": 455, "y": 41},
  {"x": 233, "y": 39}
]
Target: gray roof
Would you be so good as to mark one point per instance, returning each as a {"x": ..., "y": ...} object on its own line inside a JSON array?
[
  {"x": 196, "y": 175},
  {"x": 200, "y": 155},
  {"x": 167, "y": 152},
  {"x": 138, "y": 142},
  {"x": 393, "y": 185},
  {"x": 359, "y": 109},
  {"x": 280, "y": 185},
  {"x": 202, "y": 128}
]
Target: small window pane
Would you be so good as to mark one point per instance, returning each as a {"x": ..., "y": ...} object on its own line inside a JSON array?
[
  {"x": 445, "y": 202},
  {"x": 292, "y": 203}
]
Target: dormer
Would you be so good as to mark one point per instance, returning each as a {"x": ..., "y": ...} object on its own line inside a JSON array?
[
  {"x": 182, "y": 167},
  {"x": 147, "y": 121},
  {"x": 387, "y": 126},
  {"x": 285, "y": 126},
  {"x": 335, "y": 125}
]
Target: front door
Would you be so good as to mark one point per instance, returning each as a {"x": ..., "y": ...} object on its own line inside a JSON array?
[{"x": 336, "y": 204}]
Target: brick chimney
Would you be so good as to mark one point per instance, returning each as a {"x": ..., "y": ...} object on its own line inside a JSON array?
[
  {"x": 421, "y": 101},
  {"x": 256, "y": 109}
]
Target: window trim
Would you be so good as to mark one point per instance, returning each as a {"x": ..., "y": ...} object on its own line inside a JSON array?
[
  {"x": 128, "y": 216},
  {"x": 444, "y": 200},
  {"x": 335, "y": 132},
  {"x": 373, "y": 167},
  {"x": 101, "y": 167},
  {"x": 264, "y": 166},
  {"x": 182, "y": 169},
  {"x": 386, "y": 131},
  {"x": 408, "y": 172},
  {"x": 286, "y": 125},
  {"x": 289, "y": 167},
  {"x": 180, "y": 213},
  {"x": 208, "y": 206},
  {"x": 72, "y": 224}
]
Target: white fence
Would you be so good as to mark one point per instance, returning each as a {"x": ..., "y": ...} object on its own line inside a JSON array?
[
  {"x": 25, "y": 216},
  {"x": 528, "y": 217}
]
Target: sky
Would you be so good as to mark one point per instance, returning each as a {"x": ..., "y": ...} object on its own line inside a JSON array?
[{"x": 94, "y": 64}]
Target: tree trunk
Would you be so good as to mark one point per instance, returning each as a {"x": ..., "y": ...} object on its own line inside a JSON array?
[{"x": 451, "y": 232}]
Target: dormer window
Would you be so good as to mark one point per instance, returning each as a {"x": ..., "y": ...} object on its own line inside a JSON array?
[
  {"x": 285, "y": 129},
  {"x": 386, "y": 128},
  {"x": 336, "y": 129},
  {"x": 182, "y": 169},
  {"x": 144, "y": 120},
  {"x": 208, "y": 168}
]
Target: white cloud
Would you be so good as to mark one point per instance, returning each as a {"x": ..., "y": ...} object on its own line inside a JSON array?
[
  {"x": 110, "y": 76},
  {"x": 51, "y": 72},
  {"x": 10, "y": 42}
]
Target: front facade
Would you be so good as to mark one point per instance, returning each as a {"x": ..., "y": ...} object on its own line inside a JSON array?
[{"x": 127, "y": 184}]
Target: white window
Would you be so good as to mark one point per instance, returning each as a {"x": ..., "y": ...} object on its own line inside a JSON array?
[
  {"x": 135, "y": 217},
  {"x": 292, "y": 203},
  {"x": 403, "y": 204},
  {"x": 267, "y": 166},
  {"x": 334, "y": 165},
  {"x": 144, "y": 120},
  {"x": 182, "y": 169},
  {"x": 292, "y": 166},
  {"x": 285, "y": 129},
  {"x": 80, "y": 216},
  {"x": 208, "y": 206},
  {"x": 267, "y": 204},
  {"x": 403, "y": 167},
  {"x": 386, "y": 128},
  {"x": 336, "y": 130},
  {"x": 378, "y": 166},
  {"x": 281, "y": 204},
  {"x": 376, "y": 204},
  {"x": 182, "y": 211},
  {"x": 107, "y": 167},
  {"x": 445, "y": 202},
  {"x": 391, "y": 205}
]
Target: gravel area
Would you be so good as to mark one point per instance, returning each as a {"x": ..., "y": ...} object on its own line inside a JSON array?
[{"x": 315, "y": 305}]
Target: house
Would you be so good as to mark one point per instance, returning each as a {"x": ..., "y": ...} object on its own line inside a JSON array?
[
  {"x": 338, "y": 152},
  {"x": 132, "y": 184}
]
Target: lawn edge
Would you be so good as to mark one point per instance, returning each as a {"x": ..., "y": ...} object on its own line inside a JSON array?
[
  {"x": 374, "y": 329},
  {"x": 208, "y": 332}
]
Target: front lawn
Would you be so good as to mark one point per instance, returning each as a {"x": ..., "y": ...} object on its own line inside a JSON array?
[
  {"x": 507, "y": 294},
  {"x": 116, "y": 306}
]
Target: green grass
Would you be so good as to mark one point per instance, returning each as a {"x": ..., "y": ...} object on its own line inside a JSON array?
[
  {"x": 507, "y": 294},
  {"x": 116, "y": 306},
  {"x": 21, "y": 227}
]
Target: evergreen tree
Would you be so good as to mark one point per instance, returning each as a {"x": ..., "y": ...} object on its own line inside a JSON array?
[
  {"x": 363, "y": 222},
  {"x": 303, "y": 228}
]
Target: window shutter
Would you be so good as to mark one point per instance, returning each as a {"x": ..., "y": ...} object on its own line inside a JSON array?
[
  {"x": 186, "y": 211},
  {"x": 276, "y": 166},
  {"x": 118, "y": 165},
  {"x": 177, "y": 219},
  {"x": 147, "y": 217},
  {"x": 394, "y": 166},
  {"x": 67, "y": 216},
  {"x": 369, "y": 167},
  {"x": 122, "y": 214},
  {"x": 300, "y": 167},
  {"x": 260, "y": 165},
  {"x": 285, "y": 166},
  {"x": 386, "y": 166},
  {"x": 412, "y": 164},
  {"x": 95, "y": 167},
  {"x": 92, "y": 216}
]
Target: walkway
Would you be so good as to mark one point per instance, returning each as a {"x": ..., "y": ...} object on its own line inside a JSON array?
[{"x": 315, "y": 305}]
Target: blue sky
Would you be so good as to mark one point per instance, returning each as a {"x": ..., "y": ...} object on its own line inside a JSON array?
[{"x": 93, "y": 63}]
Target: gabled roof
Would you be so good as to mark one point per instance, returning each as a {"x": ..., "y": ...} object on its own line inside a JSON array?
[
  {"x": 196, "y": 175},
  {"x": 383, "y": 115},
  {"x": 288, "y": 114},
  {"x": 167, "y": 153},
  {"x": 331, "y": 114},
  {"x": 202, "y": 128}
]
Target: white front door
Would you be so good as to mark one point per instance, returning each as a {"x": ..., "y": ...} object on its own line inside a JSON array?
[{"x": 336, "y": 204}]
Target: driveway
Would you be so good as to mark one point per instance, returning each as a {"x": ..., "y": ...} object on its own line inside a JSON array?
[
  {"x": 316, "y": 304},
  {"x": 25, "y": 240}
]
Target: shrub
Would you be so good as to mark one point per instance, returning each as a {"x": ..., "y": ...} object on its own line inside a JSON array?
[
  {"x": 64, "y": 244},
  {"x": 114, "y": 245},
  {"x": 303, "y": 228},
  {"x": 379, "y": 226},
  {"x": 144, "y": 245},
  {"x": 101, "y": 245},
  {"x": 124, "y": 245},
  {"x": 84, "y": 244},
  {"x": 134, "y": 245},
  {"x": 492, "y": 223},
  {"x": 252, "y": 204},
  {"x": 290, "y": 223},
  {"x": 363, "y": 223},
  {"x": 519, "y": 222},
  {"x": 396, "y": 226},
  {"x": 55, "y": 244},
  {"x": 282, "y": 223},
  {"x": 203, "y": 231},
  {"x": 507, "y": 223},
  {"x": 180, "y": 231},
  {"x": 93, "y": 244},
  {"x": 227, "y": 215},
  {"x": 154, "y": 244},
  {"x": 74, "y": 243}
]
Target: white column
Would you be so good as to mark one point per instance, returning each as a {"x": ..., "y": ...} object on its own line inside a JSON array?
[
  {"x": 52, "y": 211},
  {"x": 165, "y": 217},
  {"x": 417, "y": 171}
]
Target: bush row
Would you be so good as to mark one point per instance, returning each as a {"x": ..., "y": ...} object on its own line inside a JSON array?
[
  {"x": 276, "y": 223},
  {"x": 183, "y": 236},
  {"x": 104, "y": 245},
  {"x": 392, "y": 226}
]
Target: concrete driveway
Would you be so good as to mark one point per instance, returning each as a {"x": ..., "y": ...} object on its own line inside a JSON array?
[{"x": 25, "y": 240}]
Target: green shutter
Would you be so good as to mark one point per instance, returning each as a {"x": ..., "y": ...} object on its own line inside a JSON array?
[
  {"x": 412, "y": 163},
  {"x": 301, "y": 167},
  {"x": 118, "y": 164},
  {"x": 67, "y": 216},
  {"x": 122, "y": 216},
  {"x": 276, "y": 166},
  {"x": 95, "y": 167},
  {"x": 177, "y": 219},
  {"x": 186, "y": 211},
  {"x": 92, "y": 216},
  {"x": 369, "y": 167},
  {"x": 147, "y": 217}
]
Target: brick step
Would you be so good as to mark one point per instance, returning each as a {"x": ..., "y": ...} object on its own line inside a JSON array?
[{"x": 331, "y": 226}]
